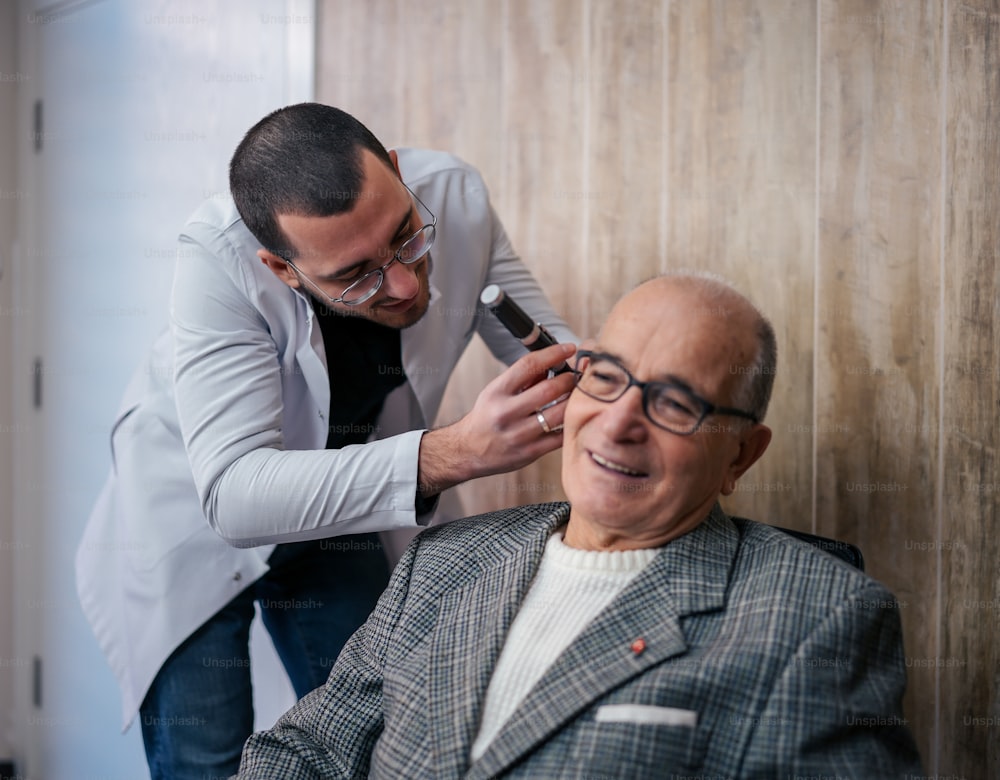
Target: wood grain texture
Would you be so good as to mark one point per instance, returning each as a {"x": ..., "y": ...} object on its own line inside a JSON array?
[
  {"x": 623, "y": 199},
  {"x": 878, "y": 281},
  {"x": 740, "y": 139},
  {"x": 970, "y": 643},
  {"x": 361, "y": 63},
  {"x": 796, "y": 148},
  {"x": 451, "y": 88},
  {"x": 545, "y": 65}
]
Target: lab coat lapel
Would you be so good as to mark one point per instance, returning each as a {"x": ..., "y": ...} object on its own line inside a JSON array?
[
  {"x": 311, "y": 356},
  {"x": 641, "y": 628},
  {"x": 472, "y": 624}
]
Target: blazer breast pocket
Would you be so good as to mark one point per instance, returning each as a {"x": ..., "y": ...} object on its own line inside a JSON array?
[{"x": 639, "y": 741}]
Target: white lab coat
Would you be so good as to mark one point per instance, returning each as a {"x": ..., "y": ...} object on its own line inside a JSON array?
[{"x": 237, "y": 394}]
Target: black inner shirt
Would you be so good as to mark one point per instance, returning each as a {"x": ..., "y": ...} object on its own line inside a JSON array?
[{"x": 365, "y": 364}]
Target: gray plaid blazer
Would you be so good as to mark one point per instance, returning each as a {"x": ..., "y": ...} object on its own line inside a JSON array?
[{"x": 762, "y": 657}]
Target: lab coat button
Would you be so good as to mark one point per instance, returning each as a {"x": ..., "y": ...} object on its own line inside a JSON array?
[{"x": 237, "y": 577}]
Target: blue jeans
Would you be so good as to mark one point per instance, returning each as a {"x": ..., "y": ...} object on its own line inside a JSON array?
[{"x": 199, "y": 709}]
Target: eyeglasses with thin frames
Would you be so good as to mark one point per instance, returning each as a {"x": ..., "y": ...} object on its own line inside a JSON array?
[
  {"x": 667, "y": 405},
  {"x": 410, "y": 251}
]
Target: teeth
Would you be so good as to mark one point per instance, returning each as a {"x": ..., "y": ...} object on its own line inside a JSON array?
[{"x": 615, "y": 466}]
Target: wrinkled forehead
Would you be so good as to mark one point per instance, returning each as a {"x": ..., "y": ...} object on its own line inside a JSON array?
[{"x": 668, "y": 331}]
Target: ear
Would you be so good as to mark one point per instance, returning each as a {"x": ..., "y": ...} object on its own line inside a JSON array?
[
  {"x": 395, "y": 161},
  {"x": 752, "y": 444},
  {"x": 279, "y": 268}
]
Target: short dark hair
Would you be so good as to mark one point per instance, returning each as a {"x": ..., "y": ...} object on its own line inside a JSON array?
[{"x": 303, "y": 159}]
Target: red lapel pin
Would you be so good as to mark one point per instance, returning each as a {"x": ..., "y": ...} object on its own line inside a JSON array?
[{"x": 638, "y": 646}]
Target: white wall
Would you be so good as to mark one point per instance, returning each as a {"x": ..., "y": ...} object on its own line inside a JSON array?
[
  {"x": 144, "y": 101},
  {"x": 9, "y": 196}
]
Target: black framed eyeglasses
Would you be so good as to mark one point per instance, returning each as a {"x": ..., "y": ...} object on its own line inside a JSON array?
[
  {"x": 409, "y": 252},
  {"x": 670, "y": 406}
]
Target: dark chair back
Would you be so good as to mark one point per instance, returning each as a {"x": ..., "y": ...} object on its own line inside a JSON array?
[{"x": 843, "y": 550}]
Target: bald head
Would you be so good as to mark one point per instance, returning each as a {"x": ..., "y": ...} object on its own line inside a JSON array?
[{"x": 719, "y": 322}]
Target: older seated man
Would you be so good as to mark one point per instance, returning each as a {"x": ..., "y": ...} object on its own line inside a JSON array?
[{"x": 637, "y": 631}]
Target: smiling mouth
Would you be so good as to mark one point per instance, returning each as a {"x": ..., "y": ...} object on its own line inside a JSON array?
[
  {"x": 616, "y": 467},
  {"x": 399, "y": 304}
]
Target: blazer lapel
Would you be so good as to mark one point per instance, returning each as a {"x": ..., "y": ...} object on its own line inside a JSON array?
[
  {"x": 639, "y": 629},
  {"x": 468, "y": 636}
]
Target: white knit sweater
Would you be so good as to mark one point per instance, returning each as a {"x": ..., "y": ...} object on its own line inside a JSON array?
[{"x": 569, "y": 590}]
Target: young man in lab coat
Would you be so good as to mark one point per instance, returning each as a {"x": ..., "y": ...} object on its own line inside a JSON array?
[{"x": 283, "y": 420}]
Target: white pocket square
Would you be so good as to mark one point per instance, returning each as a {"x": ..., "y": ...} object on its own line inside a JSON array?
[{"x": 646, "y": 713}]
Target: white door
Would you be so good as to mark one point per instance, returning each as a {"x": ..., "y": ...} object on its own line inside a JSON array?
[{"x": 130, "y": 112}]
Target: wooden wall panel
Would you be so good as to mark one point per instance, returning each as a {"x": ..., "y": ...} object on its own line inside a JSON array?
[
  {"x": 878, "y": 279},
  {"x": 362, "y": 62},
  {"x": 740, "y": 139},
  {"x": 797, "y": 149},
  {"x": 624, "y": 198},
  {"x": 546, "y": 67},
  {"x": 543, "y": 122},
  {"x": 418, "y": 74},
  {"x": 969, "y": 740},
  {"x": 451, "y": 88}
]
